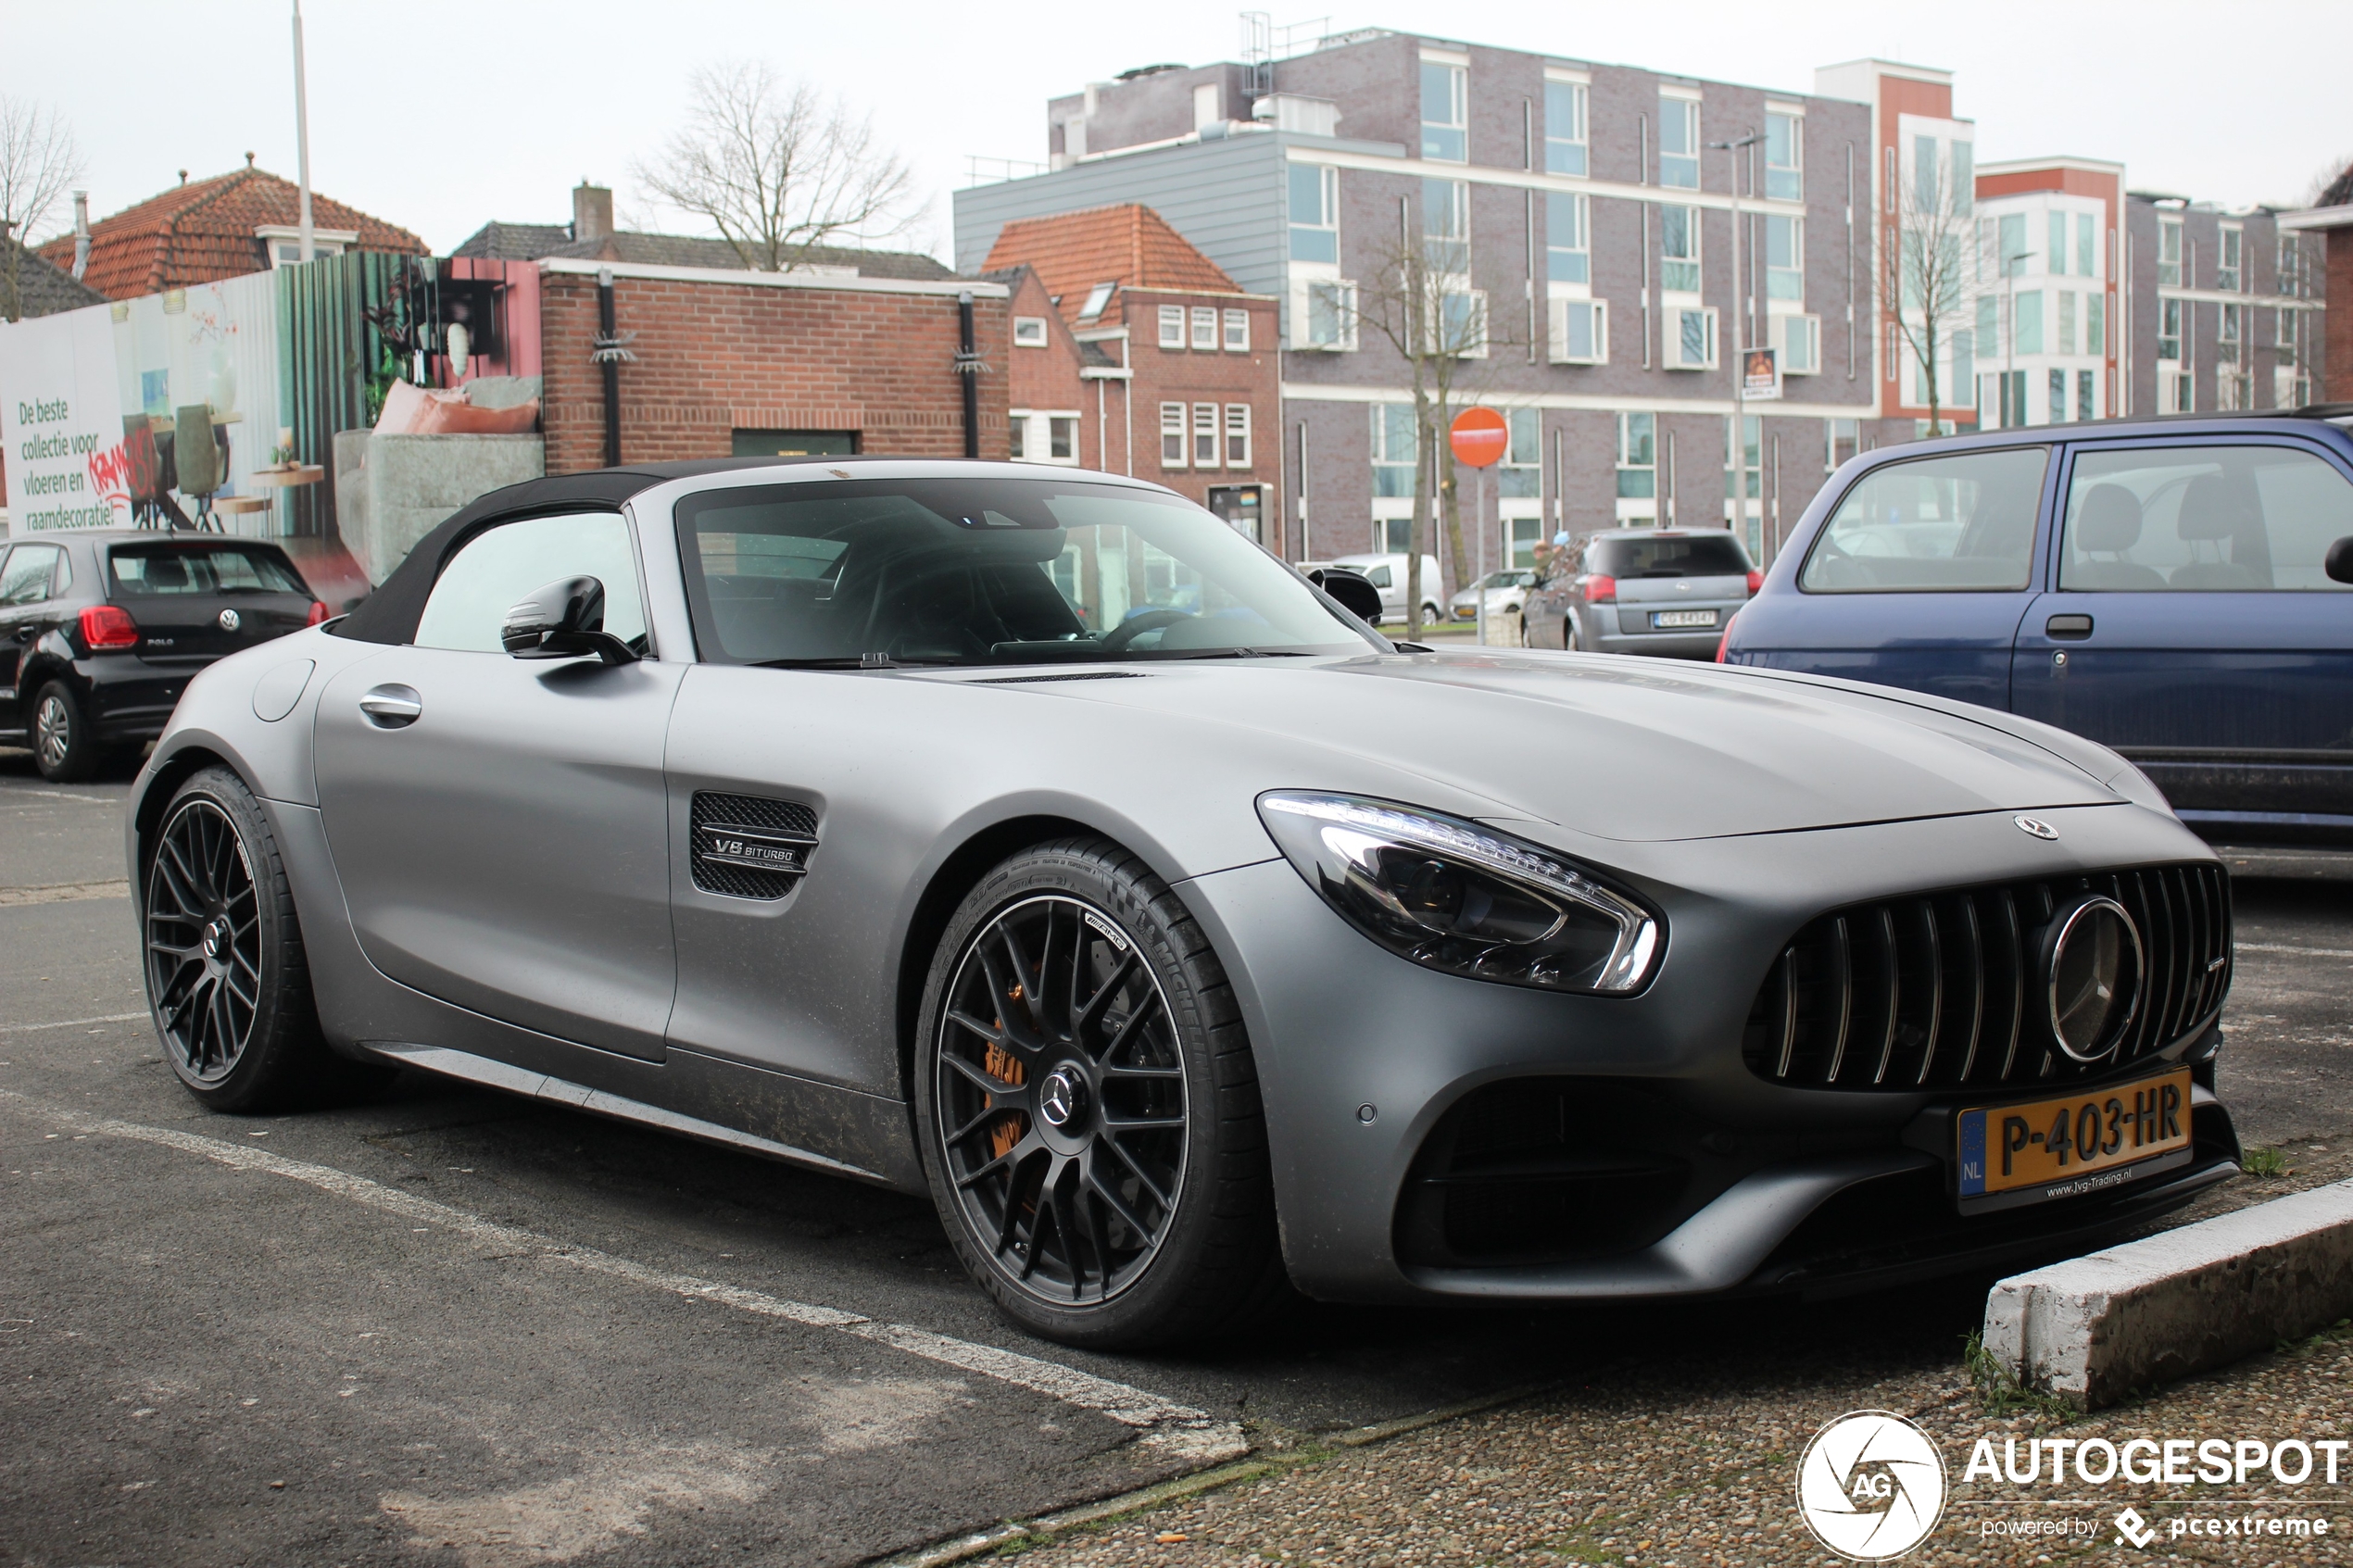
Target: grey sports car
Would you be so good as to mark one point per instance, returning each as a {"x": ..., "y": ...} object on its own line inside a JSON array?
[{"x": 1040, "y": 842}]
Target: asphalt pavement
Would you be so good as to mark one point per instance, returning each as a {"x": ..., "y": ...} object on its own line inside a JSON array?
[{"x": 451, "y": 1326}]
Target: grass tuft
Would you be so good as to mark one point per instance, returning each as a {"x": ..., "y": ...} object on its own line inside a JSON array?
[
  {"x": 2000, "y": 1393},
  {"x": 2264, "y": 1161}
]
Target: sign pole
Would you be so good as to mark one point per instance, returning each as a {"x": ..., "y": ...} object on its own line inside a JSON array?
[{"x": 1479, "y": 437}]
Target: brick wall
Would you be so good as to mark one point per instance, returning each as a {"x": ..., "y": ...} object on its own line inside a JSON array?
[
  {"x": 2336, "y": 353},
  {"x": 717, "y": 356},
  {"x": 1214, "y": 376}
]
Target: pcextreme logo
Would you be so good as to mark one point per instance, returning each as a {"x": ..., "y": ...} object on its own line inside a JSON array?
[{"x": 1871, "y": 1486}]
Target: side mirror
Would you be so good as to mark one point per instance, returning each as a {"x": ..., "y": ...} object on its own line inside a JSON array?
[
  {"x": 2339, "y": 564},
  {"x": 1352, "y": 591},
  {"x": 563, "y": 619}
]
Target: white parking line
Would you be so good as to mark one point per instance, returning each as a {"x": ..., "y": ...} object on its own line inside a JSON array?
[
  {"x": 2290, "y": 948},
  {"x": 70, "y": 1022},
  {"x": 1178, "y": 1430}
]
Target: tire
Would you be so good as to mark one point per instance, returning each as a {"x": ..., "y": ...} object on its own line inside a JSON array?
[
  {"x": 228, "y": 981},
  {"x": 1431, "y": 616},
  {"x": 1158, "y": 1228},
  {"x": 63, "y": 748}
]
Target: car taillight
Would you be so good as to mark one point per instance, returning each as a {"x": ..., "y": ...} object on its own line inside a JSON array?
[
  {"x": 108, "y": 626},
  {"x": 1726, "y": 640},
  {"x": 1600, "y": 589},
  {"x": 319, "y": 611},
  {"x": 1756, "y": 581}
]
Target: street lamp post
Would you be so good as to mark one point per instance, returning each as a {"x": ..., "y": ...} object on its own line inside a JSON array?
[{"x": 1740, "y": 340}]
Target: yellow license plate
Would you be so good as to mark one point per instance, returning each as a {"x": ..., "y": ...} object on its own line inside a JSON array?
[{"x": 2060, "y": 1144}]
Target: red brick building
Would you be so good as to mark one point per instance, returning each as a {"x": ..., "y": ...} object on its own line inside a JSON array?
[
  {"x": 2332, "y": 218},
  {"x": 1132, "y": 352}
]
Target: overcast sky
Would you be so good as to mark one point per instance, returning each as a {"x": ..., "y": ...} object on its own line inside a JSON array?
[{"x": 439, "y": 115}]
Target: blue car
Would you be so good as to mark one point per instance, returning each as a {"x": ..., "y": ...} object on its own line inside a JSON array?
[{"x": 2174, "y": 588}]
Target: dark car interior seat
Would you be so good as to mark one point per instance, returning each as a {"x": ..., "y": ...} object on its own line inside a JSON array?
[
  {"x": 2109, "y": 525},
  {"x": 2216, "y": 512}
]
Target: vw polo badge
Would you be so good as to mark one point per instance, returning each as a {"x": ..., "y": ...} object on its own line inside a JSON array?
[
  {"x": 230, "y": 621},
  {"x": 2035, "y": 827}
]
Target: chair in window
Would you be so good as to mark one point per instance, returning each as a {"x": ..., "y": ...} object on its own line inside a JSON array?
[
  {"x": 2215, "y": 510},
  {"x": 2109, "y": 525},
  {"x": 201, "y": 469}
]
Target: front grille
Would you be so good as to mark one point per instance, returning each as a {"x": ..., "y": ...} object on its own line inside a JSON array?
[
  {"x": 714, "y": 810},
  {"x": 1939, "y": 990}
]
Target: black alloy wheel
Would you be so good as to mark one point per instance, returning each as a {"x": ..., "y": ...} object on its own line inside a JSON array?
[
  {"x": 1077, "y": 1057},
  {"x": 62, "y": 747}
]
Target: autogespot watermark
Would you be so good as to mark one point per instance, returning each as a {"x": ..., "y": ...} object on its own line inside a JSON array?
[{"x": 1871, "y": 1487}]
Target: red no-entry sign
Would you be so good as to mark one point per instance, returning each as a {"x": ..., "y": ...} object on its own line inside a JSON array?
[{"x": 1479, "y": 437}]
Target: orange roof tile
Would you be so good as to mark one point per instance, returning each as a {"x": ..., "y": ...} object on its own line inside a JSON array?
[
  {"x": 1129, "y": 245},
  {"x": 202, "y": 231}
]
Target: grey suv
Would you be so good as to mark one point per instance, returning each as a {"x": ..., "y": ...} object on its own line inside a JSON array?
[{"x": 1666, "y": 591}]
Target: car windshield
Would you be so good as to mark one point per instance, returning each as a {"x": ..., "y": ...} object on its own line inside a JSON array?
[
  {"x": 987, "y": 571},
  {"x": 148, "y": 571},
  {"x": 1668, "y": 555}
]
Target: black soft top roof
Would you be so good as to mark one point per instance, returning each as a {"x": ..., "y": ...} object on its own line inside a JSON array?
[{"x": 390, "y": 614}]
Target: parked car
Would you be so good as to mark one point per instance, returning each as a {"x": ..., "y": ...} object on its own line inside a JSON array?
[
  {"x": 1505, "y": 590},
  {"x": 1666, "y": 591},
  {"x": 1387, "y": 572},
  {"x": 853, "y": 822},
  {"x": 2163, "y": 586},
  {"x": 100, "y": 630}
]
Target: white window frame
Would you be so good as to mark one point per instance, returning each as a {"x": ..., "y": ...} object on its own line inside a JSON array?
[
  {"x": 1237, "y": 332},
  {"x": 1673, "y": 348},
  {"x": 2168, "y": 269},
  {"x": 2230, "y": 259},
  {"x": 1205, "y": 431},
  {"x": 1686, "y": 105},
  {"x": 1637, "y": 510},
  {"x": 1203, "y": 339},
  {"x": 1034, "y": 432},
  {"x": 1344, "y": 313},
  {"x": 1029, "y": 332},
  {"x": 1172, "y": 327},
  {"x": 1797, "y": 250},
  {"x": 1097, "y": 301},
  {"x": 1328, "y": 208},
  {"x": 1782, "y": 331},
  {"x": 1696, "y": 261},
  {"x": 1458, "y": 105},
  {"x": 1578, "y": 92},
  {"x": 1434, "y": 329},
  {"x": 1582, "y": 207},
  {"x": 1795, "y": 168},
  {"x": 1173, "y": 428},
  {"x": 1235, "y": 439},
  {"x": 2178, "y": 311},
  {"x": 1557, "y": 333}
]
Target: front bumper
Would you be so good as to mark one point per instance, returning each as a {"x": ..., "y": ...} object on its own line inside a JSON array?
[{"x": 1363, "y": 1058}]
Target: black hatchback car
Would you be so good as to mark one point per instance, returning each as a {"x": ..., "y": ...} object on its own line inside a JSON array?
[{"x": 99, "y": 631}]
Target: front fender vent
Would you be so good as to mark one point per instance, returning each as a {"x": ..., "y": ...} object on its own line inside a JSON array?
[
  {"x": 1937, "y": 991},
  {"x": 747, "y": 846}
]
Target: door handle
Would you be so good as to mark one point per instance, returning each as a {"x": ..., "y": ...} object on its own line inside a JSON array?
[
  {"x": 2069, "y": 628},
  {"x": 392, "y": 708}
]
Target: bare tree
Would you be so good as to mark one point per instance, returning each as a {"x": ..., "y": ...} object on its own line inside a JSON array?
[
  {"x": 38, "y": 163},
  {"x": 778, "y": 171},
  {"x": 1931, "y": 284},
  {"x": 1419, "y": 301}
]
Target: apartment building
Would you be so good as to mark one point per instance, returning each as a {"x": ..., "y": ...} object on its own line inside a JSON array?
[
  {"x": 2226, "y": 310},
  {"x": 2045, "y": 316},
  {"x": 2325, "y": 272},
  {"x": 1582, "y": 215}
]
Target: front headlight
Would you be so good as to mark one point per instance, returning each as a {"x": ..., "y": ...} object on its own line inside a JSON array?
[{"x": 1453, "y": 895}]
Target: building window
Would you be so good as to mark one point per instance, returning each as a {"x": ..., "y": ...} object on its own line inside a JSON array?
[
  {"x": 1784, "y": 157},
  {"x": 1029, "y": 332},
  {"x": 1446, "y": 225},
  {"x": 2086, "y": 394},
  {"x": 1520, "y": 476},
  {"x": 1679, "y": 249},
  {"x": 2233, "y": 391},
  {"x": 1749, "y": 458},
  {"x": 1799, "y": 338},
  {"x": 1331, "y": 314},
  {"x": 1172, "y": 435},
  {"x": 1565, "y": 128},
  {"x": 1445, "y": 112},
  {"x": 1044, "y": 438},
  {"x": 1928, "y": 189},
  {"x": 2168, "y": 253},
  {"x": 1690, "y": 338},
  {"x": 1989, "y": 324},
  {"x": 2010, "y": 260},
  {"x": 1784, "y": 257},
  {"x": 1204, "y": 435},
  {"x": 2291, "y": 267},
  {"x": 2095, "y": 324},
  {"x": 1237, "y": 332},
  {"x": 2230, "y": 334},
  {"x": 2087, "y": 255},
  {"x": 2055, "y": 264},
  {"x": 2226, "y": 265},
  {"x": 1637, "y": 456},
  {"x": 1567, "y": 242},
  {"x": 1964, "y": 194},
  {"x": 1315, "y": 213},
  {"x": 1580, "y": 332},
  {"x": 2026, "y": 322},
  {"x": 1172, "y": 326},
  {"x": 2066, "y": 343},
  {"x": 2059, "y": 397},
  {"x": 1678, "y": 142},
  {"x": 2169, "y": 329},
  {"x": 1460, "y": 329},
  {"x": 1841, "y": 439},
  {"x": 1393, "y": 450},
  {"x": 2287, "y": 334},
  {"x": 1238, "y": 436},
  {"x": 1097, "y": 298},
  {"x": 1205, "y": 328}
]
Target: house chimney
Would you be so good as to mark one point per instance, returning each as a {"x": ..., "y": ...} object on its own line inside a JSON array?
[
  {"x": 80, "y": 234},
  {"x": 591, "y": 211}
]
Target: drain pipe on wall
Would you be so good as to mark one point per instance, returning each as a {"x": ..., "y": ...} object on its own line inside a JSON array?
[
  {"x": 968, "y": 366},
  {"x": 610, "y": 348}
]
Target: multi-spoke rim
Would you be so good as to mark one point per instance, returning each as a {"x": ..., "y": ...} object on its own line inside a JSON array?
[
  {"x": 51, "y": 730},
  {"x": 1061, "y": 1100},
  {"x": 204, "y": 942}
]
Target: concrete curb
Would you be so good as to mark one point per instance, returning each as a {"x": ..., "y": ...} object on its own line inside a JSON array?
[{"x": 2091, "y": 1330}]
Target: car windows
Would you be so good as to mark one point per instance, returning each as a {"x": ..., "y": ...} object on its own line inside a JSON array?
[
  {"x": 1669, "y": 555},
  {"x": 1963, "y": 522},
  {"x": 1378, "y": 576},
  {"x": 27, "y": 575},
  {"x": 147, "y": 571},
  {"x": 498, "y": 569},
  {"x": 2202, "y": 519},
  {"x": 982, "y": 571}
]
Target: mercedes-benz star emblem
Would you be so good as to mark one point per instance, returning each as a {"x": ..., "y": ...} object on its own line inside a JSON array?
[
  {"x": 230, "y": 621},
  {"x": 2035, "y": 826},
  {"x": 1058, "y": 1098}
]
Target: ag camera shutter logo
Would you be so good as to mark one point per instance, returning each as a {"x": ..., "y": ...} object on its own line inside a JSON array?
[{"x": 1871, "y": 1486}]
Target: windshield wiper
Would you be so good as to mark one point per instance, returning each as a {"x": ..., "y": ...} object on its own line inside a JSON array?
[
  {"x": 851, "y": 661},
  {"x": 1244, "y": 653}
]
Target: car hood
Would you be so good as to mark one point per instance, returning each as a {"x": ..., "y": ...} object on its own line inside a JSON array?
[{"x": 1623, "y": 748}]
